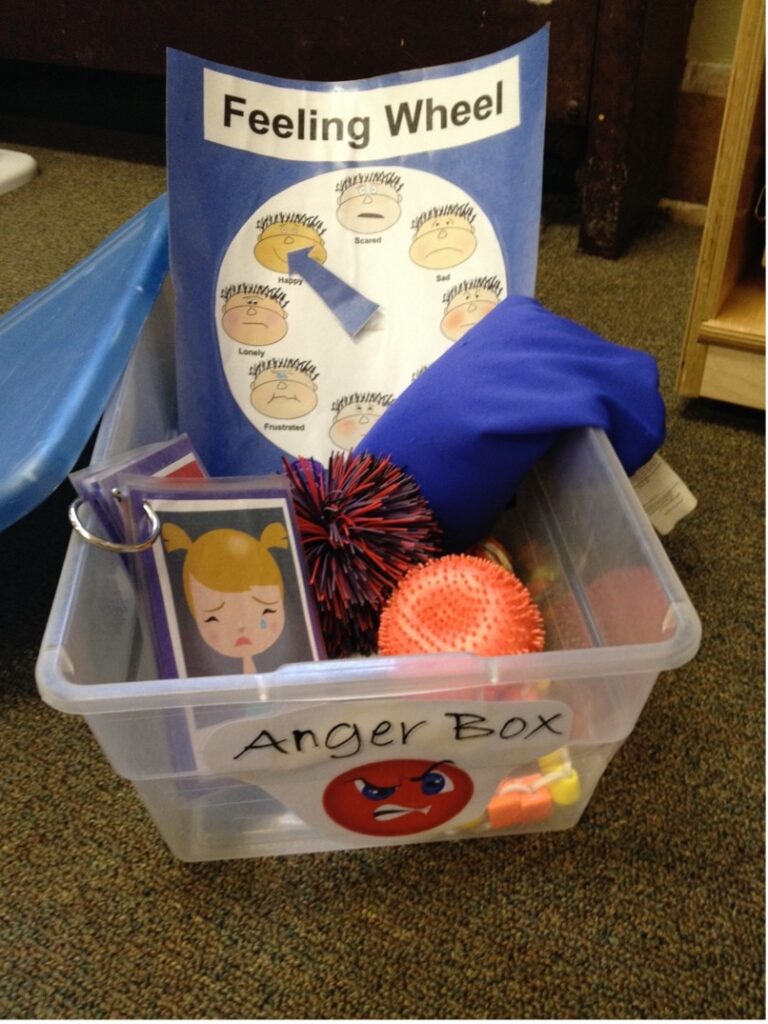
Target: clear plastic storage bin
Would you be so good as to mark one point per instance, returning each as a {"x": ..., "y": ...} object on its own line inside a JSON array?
[{"x": 376, "y": 751}]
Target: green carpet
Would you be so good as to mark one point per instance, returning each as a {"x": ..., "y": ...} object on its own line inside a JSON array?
[{"x": 652, "y": 907}]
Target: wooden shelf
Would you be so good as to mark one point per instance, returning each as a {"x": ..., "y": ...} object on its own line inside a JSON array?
[
  {"x": 731, "y": 375},
  {"x": 724, "y": 347},
  {"x": 741, "y": 321}
]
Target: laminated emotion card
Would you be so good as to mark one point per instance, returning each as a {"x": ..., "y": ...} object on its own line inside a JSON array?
[{"x": 224, "y": 584}]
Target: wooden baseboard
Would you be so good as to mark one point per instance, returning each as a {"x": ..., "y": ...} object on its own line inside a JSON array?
[
  {"x": 706, "y": 79},
  {"x": 681, "y": 212}
]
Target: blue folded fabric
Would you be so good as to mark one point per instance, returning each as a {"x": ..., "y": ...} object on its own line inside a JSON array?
[{"x": 471, "y": 426}]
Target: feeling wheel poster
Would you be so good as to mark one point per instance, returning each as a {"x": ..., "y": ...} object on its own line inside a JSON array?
[{"x": 330, "y": 240}]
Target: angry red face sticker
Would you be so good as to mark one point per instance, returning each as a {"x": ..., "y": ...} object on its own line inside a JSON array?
[{"x": 397, "y": 798}]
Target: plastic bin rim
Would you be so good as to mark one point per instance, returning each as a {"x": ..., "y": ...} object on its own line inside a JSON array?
[{"x": 385, "y": 678}]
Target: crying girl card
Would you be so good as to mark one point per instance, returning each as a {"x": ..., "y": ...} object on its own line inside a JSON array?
[
  {"x": 330, "y": 240},
  {"x": 224, "y": 583}
]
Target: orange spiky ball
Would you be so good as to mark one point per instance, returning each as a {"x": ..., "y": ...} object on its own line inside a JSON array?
[{"x": 460, "y": 603}]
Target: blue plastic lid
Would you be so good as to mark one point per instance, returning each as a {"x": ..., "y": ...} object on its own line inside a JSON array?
[{"x": 62, "y": 351}]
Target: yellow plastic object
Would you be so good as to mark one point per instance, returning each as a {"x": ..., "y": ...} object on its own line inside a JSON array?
[{"x": 565, "y": 788}]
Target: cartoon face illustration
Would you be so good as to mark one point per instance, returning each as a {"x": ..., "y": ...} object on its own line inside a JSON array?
[
  {"x": 233, "y": 587},
  {"x": 369, "y": 203},
  {"x": 282, "y": 234},
  {"x": 254, "y": 315},
  {"x": 397, "y": 798},
  {"x": 284, "y": 389},
  {"x": 444, "y": 237},
  {"x": 236, "y": 624},
  {"x": 354, "y": 416},
  {"x": 467, "y": 304}
]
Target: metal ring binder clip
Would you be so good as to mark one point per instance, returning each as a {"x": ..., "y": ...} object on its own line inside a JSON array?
[{"x": 108, "y": 545}]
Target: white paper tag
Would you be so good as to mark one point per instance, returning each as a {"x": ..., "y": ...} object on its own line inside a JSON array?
[
  {"x": 663, "y": 495},
  {"x": 386, "y": 770}
]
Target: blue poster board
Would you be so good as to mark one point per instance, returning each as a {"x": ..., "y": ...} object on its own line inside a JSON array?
[{"x": 329, "y": 240}]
